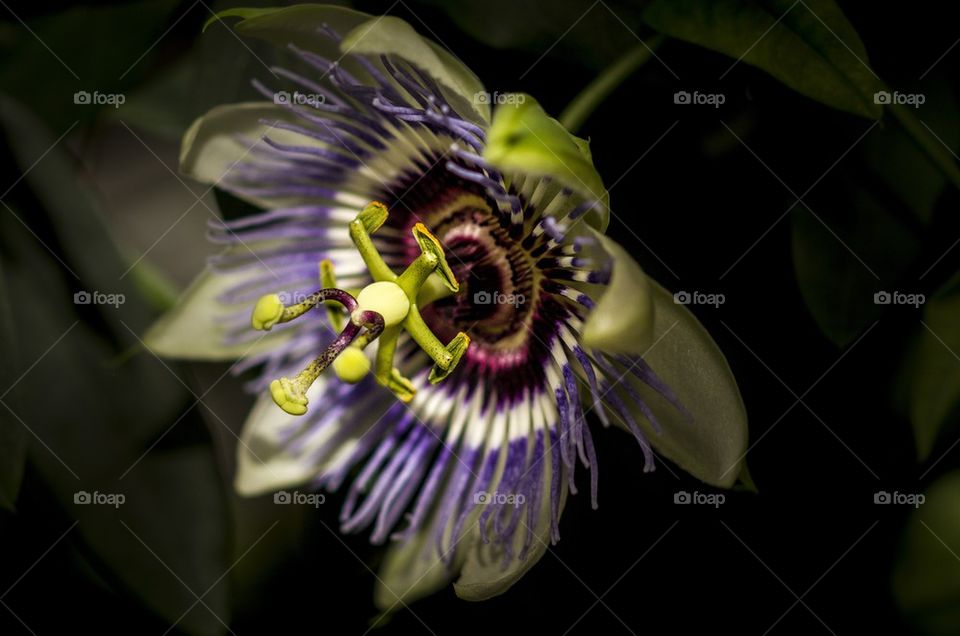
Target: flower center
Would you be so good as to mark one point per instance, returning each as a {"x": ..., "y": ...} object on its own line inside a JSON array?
[
  {"x": 497, "y": 275},
  {"x": 499, "y": 297},
  {"x": 379, "y": 312}
]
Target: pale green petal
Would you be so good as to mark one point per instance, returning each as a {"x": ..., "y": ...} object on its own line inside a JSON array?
[
  {"x": 412, "y": 569},
  {"x": 369, "y": 35},
  {"x": 483, "y": 575},
  {"x": 524, "y": 139},
  {"x": 392, "y": 36},
  {"x": 622, "y": 320},
  {"x": 297, "y": 25},
  {"x": 263, "y": 462},
  {"x": 710, "y": 445},
  {"x": 634, "y": 315},
  {"x": 229, "y": 134},
  {"x": 192, "y": 328}
]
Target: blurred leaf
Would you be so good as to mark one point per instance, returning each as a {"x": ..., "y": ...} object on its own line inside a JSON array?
[
  {"x": 109, "y": 54},
  {"x": 809, "y": 46},
  {"x": 926, "y": 578},
  {"x": 13, "y": 436},
  {"x": 210, "y": 74},
  {"x": 100, "y": 416},
  {"x": 833, "y": 260},
  {"x": 568, "y": 28},
  {"x": 165, "y": 106},
  {"x": 932, "y": 371},
  {"x": 903, "y": 167}
]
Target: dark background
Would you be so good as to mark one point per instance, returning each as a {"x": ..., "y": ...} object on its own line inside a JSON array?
[{"x": 699, "y": 198}]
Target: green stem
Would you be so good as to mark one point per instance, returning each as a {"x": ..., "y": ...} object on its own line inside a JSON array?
[
  {"x": 596, "y": 91},
  {"x": 927, "y": 142}
]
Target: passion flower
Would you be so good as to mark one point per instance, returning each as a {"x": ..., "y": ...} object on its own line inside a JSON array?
[{"x": 470, "y": 248}]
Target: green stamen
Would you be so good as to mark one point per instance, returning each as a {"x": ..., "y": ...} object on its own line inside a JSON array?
[
  {"x": 371, "y": 218},
  {"x": 327, "y": 280}
]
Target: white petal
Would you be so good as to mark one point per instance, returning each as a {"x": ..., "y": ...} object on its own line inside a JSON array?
[
  {"x": 264, "y": 463},
  {"x": 192, "y": 328}
]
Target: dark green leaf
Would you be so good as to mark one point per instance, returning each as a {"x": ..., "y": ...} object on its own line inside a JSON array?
[
  {"x": 932, "y": 372},
  {"x": 903, "y": 167},
  {"x": 567, "y": 28},
  {"x": 105, "y": 419},
  {"x": 48, "y": 64},
  {"x": 856, "y": 249},
  {"x": 809, "y": 46},
  {"x": 13, "y": 436},
  {"x": 926, "y": 578}
]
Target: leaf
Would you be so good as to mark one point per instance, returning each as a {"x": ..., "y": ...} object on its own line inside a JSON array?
[
  {"x": 932, "y": 371},
  {"x": 13, "y": 436},
  {"x": 907, "y": 171},
  {"x": 164, "y": 107},
  {"x": 926, "y": 576},
  {"x": 99, "y": 417},
  {"x": 568, "y": 28},
  {"x": 833, "y": 260},
  {"x": 57, "y": 57},
  {"x": 809, "y": 46}
]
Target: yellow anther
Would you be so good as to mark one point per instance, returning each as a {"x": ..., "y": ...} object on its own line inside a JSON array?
[
  {"x": 288, "y": 396},
  {"x": 373, "y": 216},
  {"x": 387, "y": 299},
  {"x": 429, "y": 244},
  {"x": 456, "y": 348},
  {"x": 352, "y": 365},
  {"x": 267, "y": 313}
]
